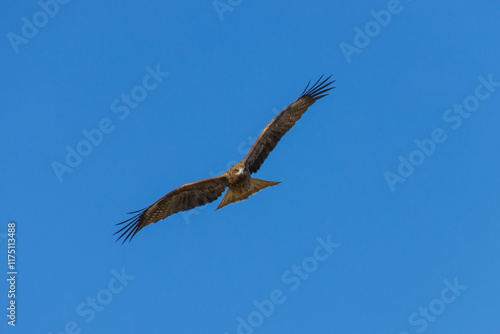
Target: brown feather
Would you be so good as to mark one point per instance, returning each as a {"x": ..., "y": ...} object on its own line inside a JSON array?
[
  {"x": 238, "y": 179},
  {"x": 237, "y": 195},
  {"x": 187, "y": 197},
  {"x": 273, "y": 133}
]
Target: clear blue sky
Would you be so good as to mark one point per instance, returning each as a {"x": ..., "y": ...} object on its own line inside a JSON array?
[{"x": 387, "y": 218}]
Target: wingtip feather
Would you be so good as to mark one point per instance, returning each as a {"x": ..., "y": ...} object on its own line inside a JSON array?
[
  {"x": 320, "y": 87},
  {"x": 131, "y": 228}
]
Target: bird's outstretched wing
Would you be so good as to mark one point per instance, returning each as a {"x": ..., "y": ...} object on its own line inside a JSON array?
[
  {"x": 284, "y": 122},
  {"x": 187, "y": 197}
]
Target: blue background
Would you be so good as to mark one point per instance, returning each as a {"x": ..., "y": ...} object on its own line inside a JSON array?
[{"x": 228, "y": 74}]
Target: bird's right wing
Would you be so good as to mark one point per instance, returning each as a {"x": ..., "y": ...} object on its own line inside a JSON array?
[
  {"x": 273, "y": 133},
  {"x": 187, "y": 197}
]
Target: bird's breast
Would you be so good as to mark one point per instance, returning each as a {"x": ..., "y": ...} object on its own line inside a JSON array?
[{"x": 242, "y": 184}]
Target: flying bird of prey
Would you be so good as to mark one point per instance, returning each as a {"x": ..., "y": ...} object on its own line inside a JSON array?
[{"x": 238, "y": 179}]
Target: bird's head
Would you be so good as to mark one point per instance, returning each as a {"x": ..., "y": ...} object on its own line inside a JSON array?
[{"x": 238, "y": 169}]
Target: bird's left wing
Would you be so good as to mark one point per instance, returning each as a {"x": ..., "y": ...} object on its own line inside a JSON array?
[
  {"x": 184, "y": 198},
  {"x": 284, "y": 122}
]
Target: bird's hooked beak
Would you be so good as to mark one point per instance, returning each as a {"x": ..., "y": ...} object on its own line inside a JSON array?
[{"x": 240, "y": 171}]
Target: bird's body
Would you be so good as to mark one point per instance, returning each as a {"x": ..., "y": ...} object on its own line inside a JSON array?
[
  {"x": 242, "y": 185},
  {"x": 238, "y": 179}
]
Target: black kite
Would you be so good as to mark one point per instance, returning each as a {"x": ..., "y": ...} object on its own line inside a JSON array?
[{"x": 238, "y": 178}]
